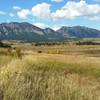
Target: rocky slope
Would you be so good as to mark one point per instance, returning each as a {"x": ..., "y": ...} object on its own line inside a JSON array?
[{"x": 28, "y": 32}]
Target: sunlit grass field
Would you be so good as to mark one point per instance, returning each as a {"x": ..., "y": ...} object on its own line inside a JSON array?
[{"x": 72, "y": 74}]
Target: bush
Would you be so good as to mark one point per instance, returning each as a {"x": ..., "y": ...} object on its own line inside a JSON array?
[
  {"x": 39, "y": 51},
  {"x": 4, "y": 45}
]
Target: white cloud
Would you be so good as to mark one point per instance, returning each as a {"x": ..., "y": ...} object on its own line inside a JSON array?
[
  {"x": 70, "y": 10},
  {"x": 11, "y": 15},
  {"x": 16, "y": 8},
  {"x": 56, "y": 27},
  {"x": 2, "y": 13},
  {"x": 41, "y": 25},
  {"x": 24, "y": 13},
  {"x": 74, "y": 9},
  {"x": 42, "y": 10},
  {"x": 57, "y": 1}
]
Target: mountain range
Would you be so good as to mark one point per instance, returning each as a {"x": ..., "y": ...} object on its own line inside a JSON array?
[{"x": 27, "y": 32}]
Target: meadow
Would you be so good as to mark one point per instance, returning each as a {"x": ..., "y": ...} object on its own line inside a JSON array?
[{"x": 59, "y": 72}]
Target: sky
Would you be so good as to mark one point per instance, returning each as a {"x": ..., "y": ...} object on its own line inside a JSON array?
[{"x": 52, "y": 13}]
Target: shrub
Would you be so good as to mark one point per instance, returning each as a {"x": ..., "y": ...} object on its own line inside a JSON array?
[
  {"x": 39, "y": 51},
  {"x": 4, "y": 45}
]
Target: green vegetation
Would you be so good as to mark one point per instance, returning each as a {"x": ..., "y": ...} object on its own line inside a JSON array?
[
  {"x": 4, "y": 45},
  {"x": 59, "y": 72}
]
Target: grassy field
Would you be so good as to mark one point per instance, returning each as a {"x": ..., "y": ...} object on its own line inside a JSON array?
[{"x": 57, "y": 73}]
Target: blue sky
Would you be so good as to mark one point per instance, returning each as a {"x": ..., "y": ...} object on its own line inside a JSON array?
[{"x": 52, "y": 13}]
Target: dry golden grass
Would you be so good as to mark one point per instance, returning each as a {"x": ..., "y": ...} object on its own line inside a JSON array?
[
  {"x": 70, "y": 73},
  {"x": 51, "y": 77}
]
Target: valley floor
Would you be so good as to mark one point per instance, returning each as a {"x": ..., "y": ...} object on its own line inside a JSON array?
[{"x": 43, "y": 76}]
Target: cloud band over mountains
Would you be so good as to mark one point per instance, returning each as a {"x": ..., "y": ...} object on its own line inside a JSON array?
[{"x": 70, "y": 10}]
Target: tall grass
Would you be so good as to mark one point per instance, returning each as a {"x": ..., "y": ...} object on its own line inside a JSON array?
[
  {"x": 50, "y": 77},
  {"x": 4, "y": 60}
]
